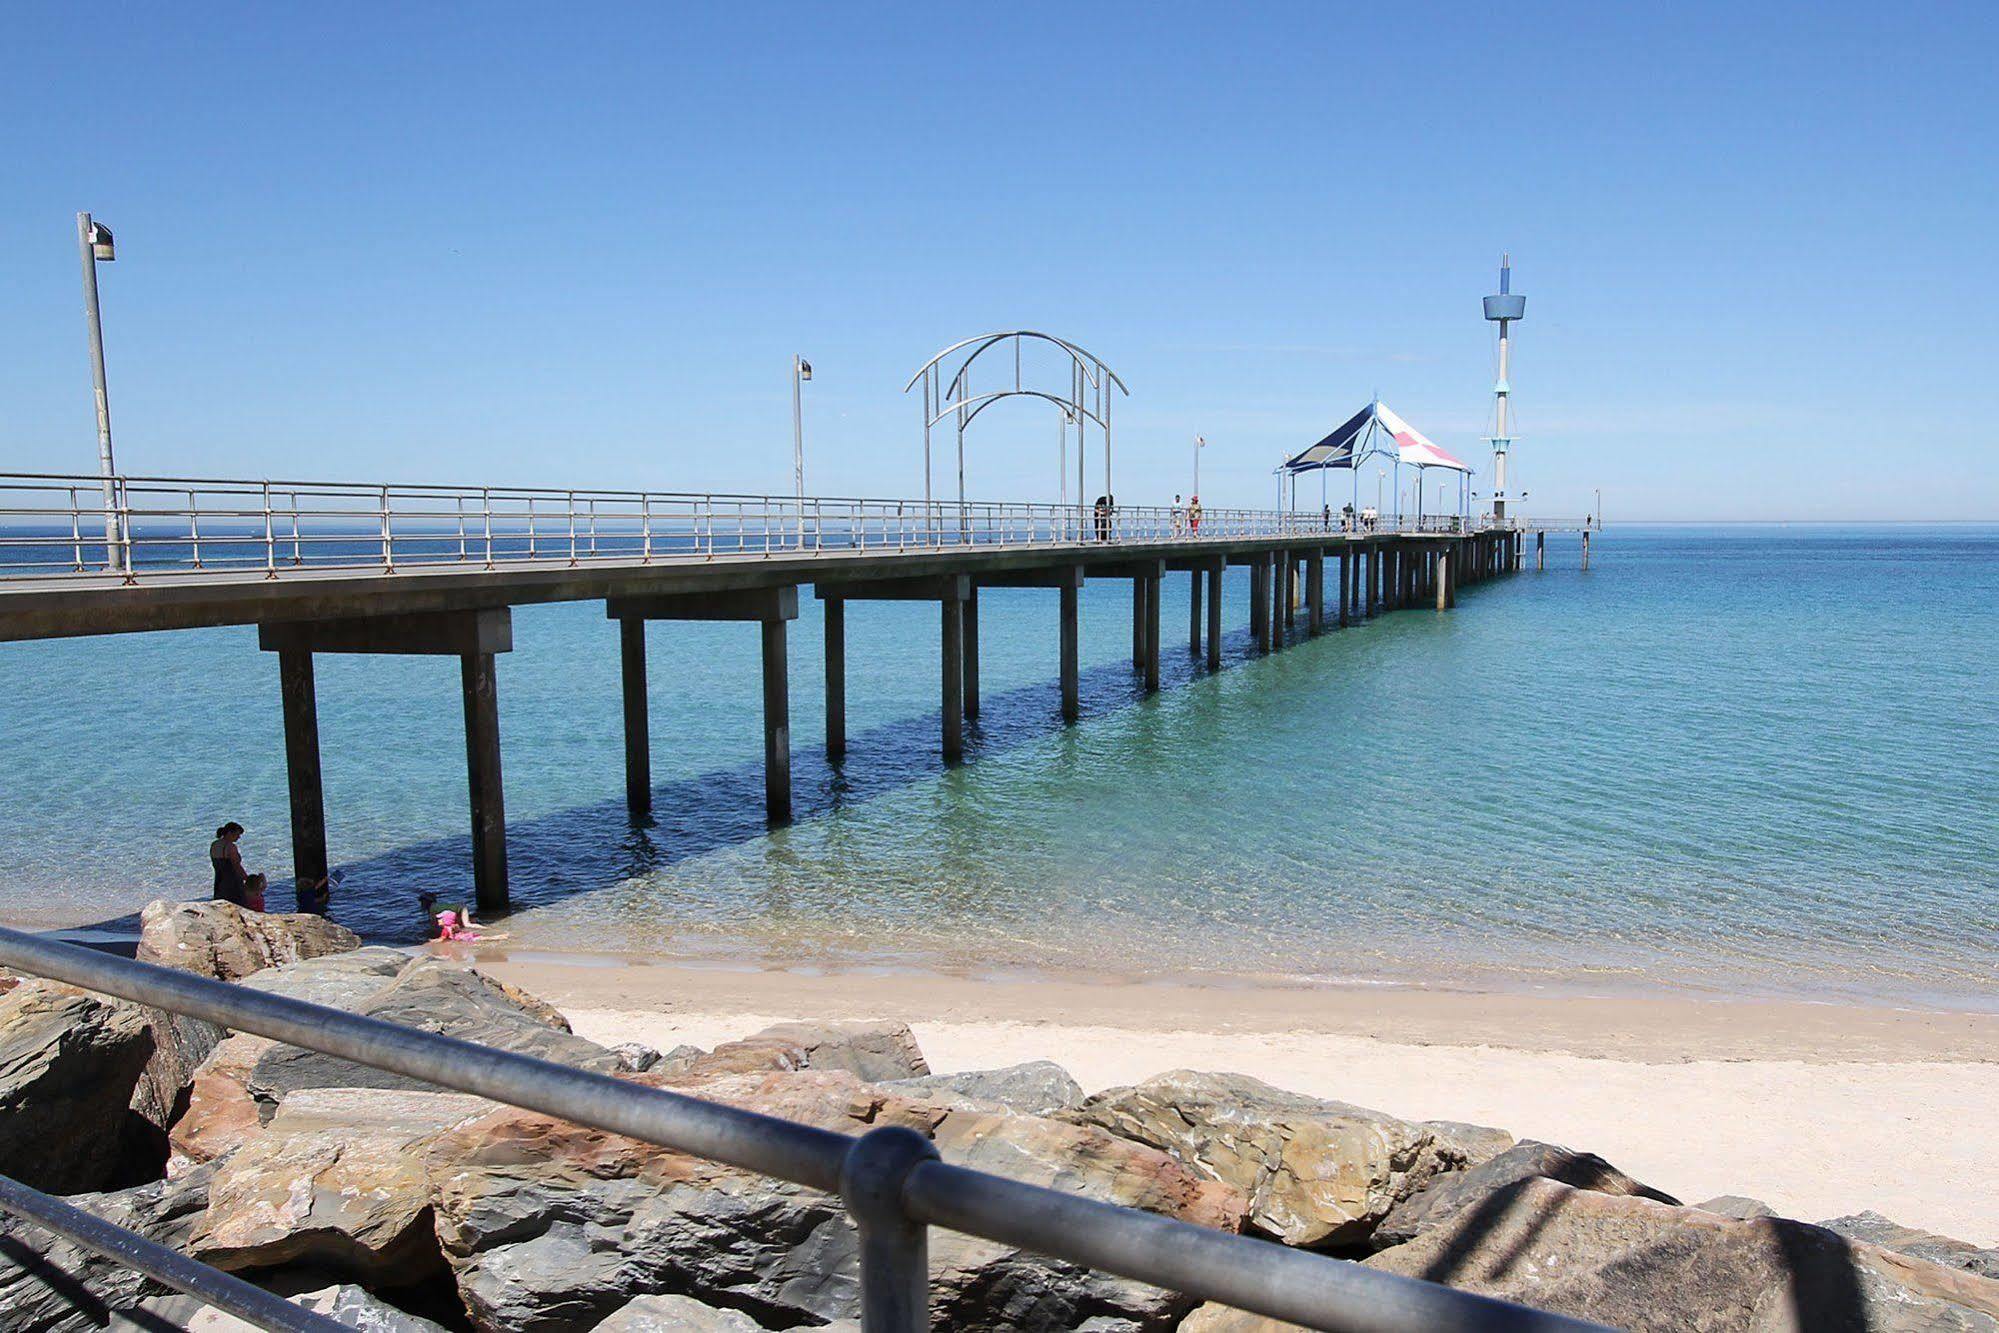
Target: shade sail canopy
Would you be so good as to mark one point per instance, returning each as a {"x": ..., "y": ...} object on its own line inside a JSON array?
[{"x": 1348, "y": 444}]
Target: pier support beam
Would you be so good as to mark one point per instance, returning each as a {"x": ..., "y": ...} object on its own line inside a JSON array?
[
  {"x": 1280, "y": 599},
  {"x": 1146, "y": 578},
  {"x": 772, "y": 608},
  {"x": 1315, "y": 592},
  {"x": 1540, "y": 552},
  {"x": 301, "y": 708},
  {"x": 482, "y": 769},
  {"x": 950, "y": 591},
  {"x": 1443, "y": 579},
  {"x": 971, "y": 614},
  {"x": 1071, "y": 651},
  {"x": 1585, "y": 548},
  {"x": 474, "y": 637},
  {"x": 1153, "y": 582},
  {"x": 1194, "y": 578},
  {"x": 638, "y": 740},
  {"x": 836, "y": 677},
  {"x": 953, "y": 613},
  {"x": 1259, "y": 602},
  {"x": 1215, "y": 571},
  {"x": 1346, "y": 586},
  {"x": 1069, "y": 580}
]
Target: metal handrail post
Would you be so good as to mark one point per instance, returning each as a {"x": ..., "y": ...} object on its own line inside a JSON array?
[
  {"x": 194, "y": 527},
  {"x": 232, "y": 1295},
  {"x": 895, "y": 1248},
  {"x": 270, "y": 537}
]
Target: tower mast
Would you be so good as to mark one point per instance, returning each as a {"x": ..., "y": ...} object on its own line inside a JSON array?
[{"x": 1504, "y": 309}]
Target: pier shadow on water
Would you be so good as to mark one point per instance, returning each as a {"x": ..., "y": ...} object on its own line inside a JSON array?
[{"x": 599, "y": 845}]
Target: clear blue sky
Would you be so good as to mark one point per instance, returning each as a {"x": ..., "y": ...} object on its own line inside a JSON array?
[{"x": 566, "y": 245}]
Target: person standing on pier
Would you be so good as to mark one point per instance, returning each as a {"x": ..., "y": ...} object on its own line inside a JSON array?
[
  {"x": 1103, "y": 512},
  {"x": 1194, "y": 514},
  {"x": 1179, "y": 515},
  {"x": 230, "y": 882}
]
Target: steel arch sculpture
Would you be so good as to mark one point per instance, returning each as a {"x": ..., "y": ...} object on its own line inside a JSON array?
[{"x": 1092, "y": 386}]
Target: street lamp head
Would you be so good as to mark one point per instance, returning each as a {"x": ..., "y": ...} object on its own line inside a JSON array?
[
  {"x": 100, "y": 242},
  {"x": 804, "y": 369}
]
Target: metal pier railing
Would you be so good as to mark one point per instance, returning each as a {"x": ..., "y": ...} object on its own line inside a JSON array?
[
  {"x": 893, "y": 1184},
  {"x": 55, "y": 525}
]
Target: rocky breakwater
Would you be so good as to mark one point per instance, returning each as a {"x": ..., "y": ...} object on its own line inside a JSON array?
[{"x": 401, "y": 1207}]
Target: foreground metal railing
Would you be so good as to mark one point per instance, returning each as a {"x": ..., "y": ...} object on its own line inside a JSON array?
[
  {"x": 56, "y": 525},
  {"x": 891, "y": 1179}
]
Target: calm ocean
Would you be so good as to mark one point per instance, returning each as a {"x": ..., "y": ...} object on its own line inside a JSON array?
[{"x": 1759, "y": 760}]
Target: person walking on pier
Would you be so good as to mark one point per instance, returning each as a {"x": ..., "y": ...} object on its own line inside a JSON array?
[
  {"x": 1103, "y": 512},
  {"x": 1179, "y": 516},
  {"x": 1194, "y": 515},
  {"x": 230, "y": 881}
]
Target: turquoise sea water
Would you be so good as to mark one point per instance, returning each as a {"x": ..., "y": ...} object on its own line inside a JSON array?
[{"x": 1741, "y": 759}]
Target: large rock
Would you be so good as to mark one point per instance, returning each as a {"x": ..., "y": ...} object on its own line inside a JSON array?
[
  {"x": 344, "y": 1303},
  {"x": 1637, "y": 1264},
  {"x": 1040, "y": 1087},
  {"x": 180, "y": 1046},
  {"x": 1878, "y": 1230},
  {"x": 870, "y": 1051},
  {"x": 1447, "y": 1196},
  {"x": 336, "y": 1181},
  {"x": 220, "y": 1108},
  {"x": 434, "y": 995},
  {"x": 676, "y": 1314},
  {"x": 338, "y": 980},
  {"x": 1475, "y": 1143},
  {"x": 1317, "y": 1173},
  {"x": 49, "y": 1285},
  {"x": 549, "y": 1226},
  {"x": 219, "y": 939},
  {"x": 1737, "y": 1205},
  {"x": 69, "y": 1063},
  {"x": 1213, "y": 1318}
]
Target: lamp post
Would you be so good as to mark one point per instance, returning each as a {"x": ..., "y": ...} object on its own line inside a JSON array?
[
  {"x": 93, "y": 241},
  {"x": 1380, "y": 475},
  {"x": 1599, "y": 506},
  {"x": 801, "y": 371},
  {"x": 1200, "y": 443}
]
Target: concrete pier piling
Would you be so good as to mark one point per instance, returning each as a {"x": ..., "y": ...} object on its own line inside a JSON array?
[
  {"x": 1540, "y": 552},
  {"x": 953, "y": 609},
  {"x": 482, "y": 767},
  {"x": 1216, "y": 568},
  {"x": 308, "y": 799},
  {"x": 638, "y": 740},
  {"x": 836, "y": 677},
  {"x": 1194, "y": 577},
  {"x": 1315, "y": 592},
  {"x": 971, "y": 630}
]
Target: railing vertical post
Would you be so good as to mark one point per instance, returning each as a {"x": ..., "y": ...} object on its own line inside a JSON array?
[
  {"x": 645, "y": 524},
  {"x": 298, "y": 549},
  {"x": 460, "y": 502},
  {"x": 388, "y": 540},
  {"x": 486, "y": 522},
  {"x": 895, "y": 1250},
  {"x": 572, "y": 527},
  {"x": 76, "y": 531},
  {"x": 194, "y": 528},
  {"x": 531, "y": 546},
  {"x": 270, "y": 537}
]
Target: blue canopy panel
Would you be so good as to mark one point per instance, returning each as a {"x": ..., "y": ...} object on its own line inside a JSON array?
[{"x": 1337, "y": 449}]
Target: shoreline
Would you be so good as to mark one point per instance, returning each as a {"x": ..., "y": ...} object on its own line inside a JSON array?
[{"x": 1820, "y": 1110}]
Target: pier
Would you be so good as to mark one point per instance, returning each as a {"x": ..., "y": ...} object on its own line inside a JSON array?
[{"x": 333, "y": 568}]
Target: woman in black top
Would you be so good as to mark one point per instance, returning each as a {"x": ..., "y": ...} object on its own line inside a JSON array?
[{"x": 228, "y": 863}]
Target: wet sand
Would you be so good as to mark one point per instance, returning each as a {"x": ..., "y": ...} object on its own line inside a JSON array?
[{"x": 1818, "y": 1109}]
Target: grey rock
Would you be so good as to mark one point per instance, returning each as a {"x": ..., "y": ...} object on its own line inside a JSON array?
[
  {"x": 69, "y": 1066},
  {"x": 219, "y": 939},
  {"x": 1040, "y": 1087},
  {"x": 676, "y": 1314},
  {"x": 339, "y": 980},
  {"x": 1476, "y": 1143},
  {"x": 635, "y": 1057},
  {"x": 344, "y": 1303},
  {"x": 1878, "y": 1230},
  {"x": 1634, "y": 1263},
  {"x": 1737, "y": 1205},
  {"x": 679, "y": 1058},
  {"x": 52, "y": 1286},
  {"x": 1447, "y": 1196},
  {"x": 548, "y": 1227},
  {"x": 870, "y": 1051},
  {"x": 1318, "y": 1173},
  {"x": 431, "y": 995}
]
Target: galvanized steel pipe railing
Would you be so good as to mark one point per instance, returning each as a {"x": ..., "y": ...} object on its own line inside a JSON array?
[
  {"x": 178, "y": 526},
  {"x": 890, "y": 1179}
]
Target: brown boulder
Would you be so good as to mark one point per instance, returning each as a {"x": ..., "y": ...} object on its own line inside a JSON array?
[
  {"x": 1448, "y": 1195},
  {"x": 220, "y": 1110},
  {"x": 870, "y": 1051},
  {"x": 336, "y": 1181},
  {"x": 1878, "y": 1230},
  {"x": 69, "y": 1064},
  {"x": 1317, "y": 1173},
  {"x": 1213, "y": 1318},
  {"x": 219, "y": 939},
  {"x": 1638, "y": 1264}
]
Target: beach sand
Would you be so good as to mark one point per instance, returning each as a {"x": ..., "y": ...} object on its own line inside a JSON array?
[{"x": 1817, "y": 1109}]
